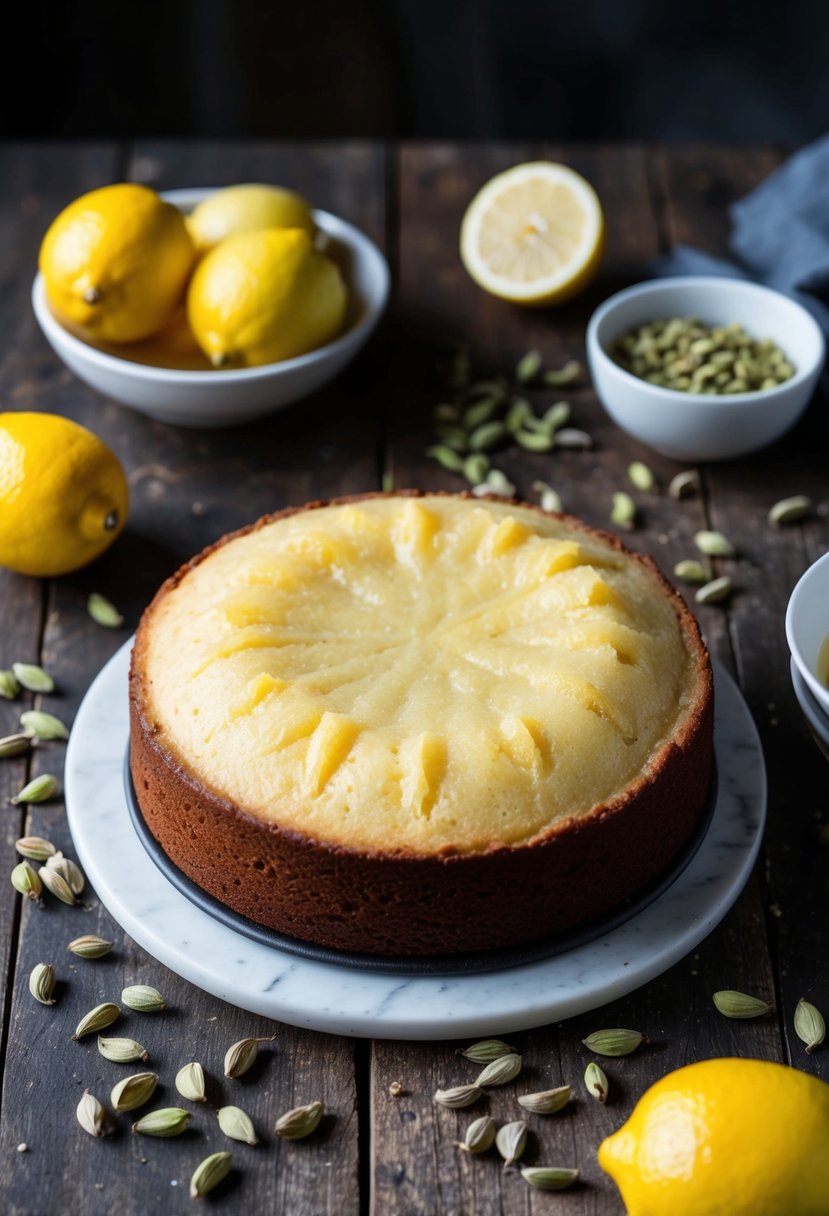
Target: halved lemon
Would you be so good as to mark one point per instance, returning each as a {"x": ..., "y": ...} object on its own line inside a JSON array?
[{"x": 533, "y": 235}]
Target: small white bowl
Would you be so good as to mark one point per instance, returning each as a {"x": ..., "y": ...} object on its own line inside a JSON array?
[
  {"x": 816, "y": 719},
  {"x": 225, "y": 398},
  {"x": 688, "y": 426},
  {"x": 807, "y": 626}
]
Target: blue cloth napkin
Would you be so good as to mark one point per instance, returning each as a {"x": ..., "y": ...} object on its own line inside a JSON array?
[{"x": 780, "y": 235}]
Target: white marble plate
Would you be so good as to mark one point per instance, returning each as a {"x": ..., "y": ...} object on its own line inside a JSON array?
[{"x": 342, "y": 1000}]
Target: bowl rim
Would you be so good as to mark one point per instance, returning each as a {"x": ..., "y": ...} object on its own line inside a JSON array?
[
  {"x": 710, "y": 401},
  {"x": 331, "y": 224},
  {"x": 818, "y": 690}
]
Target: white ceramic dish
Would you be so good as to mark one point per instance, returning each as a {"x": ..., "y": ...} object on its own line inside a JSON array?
[
  {"x": 807, "y": 626},
  {"x": 225, "y": 398},
  {"x": 687, "y": 426},
  {"x": 817, "y": 720}
]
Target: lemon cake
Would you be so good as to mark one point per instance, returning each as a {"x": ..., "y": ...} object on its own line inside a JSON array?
[{"x": 420, "y": 724}]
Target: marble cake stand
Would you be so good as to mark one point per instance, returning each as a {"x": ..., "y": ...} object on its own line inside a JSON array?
[{"x": 342, "y": 1000}]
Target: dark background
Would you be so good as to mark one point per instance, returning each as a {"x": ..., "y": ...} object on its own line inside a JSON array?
[{"x": 731, "y": 70}]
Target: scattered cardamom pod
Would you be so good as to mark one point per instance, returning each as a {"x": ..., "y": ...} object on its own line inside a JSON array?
[
  {"x": 458, "y": 1096},
  {"x": 546, "y": 1101},
  {"x": 455, "y": 437},
  {"x": 809, "y": 1025},
  {"x": 33, "y": 678},
  {"x": 641, "y": 476},
  {"x": 91, "y": 1115},
  {"x": 42, "y": 983},
  {"x": 241, "y": 1056},
  {"x": 565, "y": 375},
  {"x": 486, "y": 1050},
  {"x": 103, "y": 612},
  {"x": 684, "y": 484},
  {"x": 535, "y": 441},
  {"x": 168, "y": 1121},
  {"x": 90, "y": 946},
  {"x": 143, "y": 998},
  {"x": 14, "y": 745},
  {"x": 550, "y": 500},
  {"x": 714, "y": 592},
  {"x": 789, "y": 510},
  {"x": 519, "y": 412},
  {"x": 36, "y": 848},
  {"x": 511, "y": 1140},
  {"x": 549, "y": 1177},
  {"x": 571, "y": 438},
  {"x": 97, "y": 1019},
  {"x": 691, "y": 571},
  {"x": 446, "y": 457},
  {"x": 613, "y": 1042},
  {"x": 43, "y": 725},
  {"x": 482, "y": 411},
  {"x": 69, "y": 871},
  {"x": 487, "y": 436},
  {"x": 733, "y": 1004},
  {"x": 26, "y": 881},
  {"x": 500, "y": 1071},
  {"x": 9, "y": 686},
  {"x": 209, "y": 1173},
  {"x": 528, "y": 367},
  {"x": 714, "y": 544},
  {"x": 497, "y": 482},
  {"x": 387, "y": 482},
  {"x": 190, "y": 1082},
  {"x": 236, "y": 1124},
  {"x": 623, "y": 512},
  {"x": 134, "y": 1091},
  {"x": 122, "y": 1051},
  {"x": 556, "y": 415},
  {"x": 300, "y": 1122},
  {"x": 596, "y": 1082},
  {"x": 479, "y": 1136},
  {"x": 38, "y": 790},
  {"x": 57, "y": 885},
  {"x": 475, "y": 468}
]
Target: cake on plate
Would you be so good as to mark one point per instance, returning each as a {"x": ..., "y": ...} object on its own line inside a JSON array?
[{"x": 420, "y": 723}]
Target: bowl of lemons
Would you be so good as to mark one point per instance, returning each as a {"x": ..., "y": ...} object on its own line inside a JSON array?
[{"x": 206, "y": 308}]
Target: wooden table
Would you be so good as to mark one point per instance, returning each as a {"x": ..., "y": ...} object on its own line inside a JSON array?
[{"x": 378, "y": 1153}]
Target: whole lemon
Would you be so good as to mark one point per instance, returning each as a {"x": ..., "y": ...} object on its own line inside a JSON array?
[
  {"x": 265, "y": 296},
  {"x": 247, "y": 208},
  {"x": 116, "y": 261},
  {"x": 63, "y": 494},
  {"x": 725, "y": 1138}
]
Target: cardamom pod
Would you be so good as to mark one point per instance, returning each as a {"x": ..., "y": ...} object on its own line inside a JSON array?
[
  {"x": 90, "y": 946},
  {"x": 482, "y": 411},
  {"x": 455, "y": 437},
  {"x": 556, "y": 416},
  {"x": 9, "y": 686},
  {"x": 500, "y": 1071},
  {"x": 37, "y": 790},
  {"x": 498, "y": 483},
  {"x": 691, "y": 571},
  {"x": 486, "y": 1050},
  {"x": 623, "y": 512},
  {"x": 789, "y": 510},
  {"x": 26, "y": 881},
  {"x": 565, "y": 375},
  {"x": 487, "y": 436},
  {"x": 209, "y": 1173},
  {"x": 549, "y": 1177},
  {"x": 475, "y": 468},
  {"x": 97, "y": 1019},
  {"x": 122, "y": 1051},
  {"x": 42, "y": 983},
  {"x": 143, "y": 998},
  {"x": 641, "y": 476},
  {"x": 714, "y": 544},
  {"x": 458, "y": 1096},
  {"x": 71, "y": 873},
  {"x": 733, "y": 1004},
  {"x": 32, "y": 677},
  {"x": 479, "y": 1136},
  {"x": 613, "y": 1042},
  {"x": 535, "y": 441},
  {"x": 528, "y": 367},
  {"x": 134, "y": 1091},
  {"x": 103, "y": 612},
  {"x": 14, "y": 745},
  {"x": 809, "y": 1025},
  {"x": 550, "y": 500},
  {"x": 91, "y": 1115},
  {"x": 684, "y": 484},
  {"x": 56, "y": 885},
  {"x": 300, "y": 1122},
  {"x": 43, "y": 725},
  {"x": 241, "y": 1056},
  {"x": 571, "y": 438},
  {"x": 446, "y": 457},
  {"x": 518, "y": 413},
  {"x": 596, "y": 1082},
  {"x": 546, "y": 1101},
  {"x": 387, "y": 482},
  {"x": 236, "y": 1124},
  {"x": 168, "y": 1121},
  {"x": 714, "y": 592},
  {"x": 511, "y": 1140},
  {"x": 36, "y": 848},
  {"x": 190, "y": 1082}
]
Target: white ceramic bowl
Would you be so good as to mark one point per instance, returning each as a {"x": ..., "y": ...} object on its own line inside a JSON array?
[
  {"x": 807, "y": 626},
  {"x": 687, "y": 426},
  {"x": 224, "y": 398},
  {"x": 816, "y": 719}
]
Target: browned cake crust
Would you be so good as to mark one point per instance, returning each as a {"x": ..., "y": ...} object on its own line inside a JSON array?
[{"x": 396, "y": 902}]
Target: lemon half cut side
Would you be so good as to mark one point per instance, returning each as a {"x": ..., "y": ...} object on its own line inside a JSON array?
[{"x": 534, "y": 234}]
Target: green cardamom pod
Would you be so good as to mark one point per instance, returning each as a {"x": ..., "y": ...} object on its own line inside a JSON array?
[
  {"x": 9, "y": 686},
  {"x": 556, "y": 416},
  {"x": 14, "y": 745},
  {"x": 33, "y": 678},
  {"x": 528, "y": 367},
  {"x": 487, "y": 436},
  {"x": 479, "y": 1136},
  {"x": 535, "y": 441},
  {"x": 43, "y": 725},
  {"x": 714, "y": 592},
  {"x": 168, "y": 1121},
  {"x": 546, "y": 1101},
  {"x": 122, "y": 1051},
  {"x": 714, "y": 544},
  {"x": 190, "y": 1082},
  {"x": 90, "y": 946},
  {"x": 26, "y": 881},
  {"x": 570, "y": 438},
  {"x": 300, "y": 1122},
  {"x": 809, "y": 1025},
  {"x": 42, "y": 983},
  {"x": 56, "y": 885},
  {"x": 236, "y": 1124},
  {"x": 455, "y": 437},
  {"x": 143, "y": 998},
  {"x": 241, "y": 1056},
  {"x": 613, "y": 1042},
  {"x": 550, "y": 500},
  {"x": 209, "y": 1173},
  {"x": 691, "y": 571},
  {"x": 134, "y": 1091},
  {"x": 733, "y": 1004},
  {"x": 387, "y": 482},
  {"x": 475, "y": 468},
  {"x": 511, "y": 1140},
  {"x": 459, "y": 1096},
  {"x": 641, "y": 476},
  {"x": 548, "y": 1177},
  {"x": 684, "y": 484},
  {"x": 565, "y": 375},
  {"x": 97, "y": 1019},
  {"x": 596, "y": 1082},
  {"x": 446, "y": 457},
  {"x": 789, "y": 510},
  {"x": 36, "y": 848},
  {"x": 103, "y": 612},
  {"x": 500, "y": 1071},
  {"x": 482, "y": 411},
  {"x": 38, "y": 790},
  {"x": 486, "y": 1050},
  {"x": 497, "y": 482},
  {"x": 91, "y": 1115},
  {"x": 623, "y": 512},
  {"x": 71, "y": 873}
]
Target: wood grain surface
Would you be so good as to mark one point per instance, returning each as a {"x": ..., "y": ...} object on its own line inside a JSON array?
[{"x": 377, "y": 1153}]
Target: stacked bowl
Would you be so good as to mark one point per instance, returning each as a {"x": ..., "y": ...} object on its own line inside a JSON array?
[{"x": 807, "y": 631}]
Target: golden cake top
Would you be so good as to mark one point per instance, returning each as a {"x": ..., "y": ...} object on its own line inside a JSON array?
[{"x": 416, "y": 673}]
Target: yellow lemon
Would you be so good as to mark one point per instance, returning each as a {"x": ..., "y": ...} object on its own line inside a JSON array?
[
  {"x": 247, "y": 209},
  {"x": 116, "y": 263},
  {"x": 725, "y": 1138},
  {"x": 265, "y": 296},
  {"x": 63, "y": 494},
  {"x": 533, "y": 235}
]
